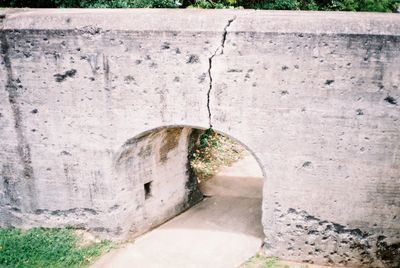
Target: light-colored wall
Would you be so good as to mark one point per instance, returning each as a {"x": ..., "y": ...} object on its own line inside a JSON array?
[
  {"x": 159, "y": 158},
  {"x": 314, "y": 96}
]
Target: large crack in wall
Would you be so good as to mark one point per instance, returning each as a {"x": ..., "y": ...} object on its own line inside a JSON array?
[{"x": 217, "y": 52}]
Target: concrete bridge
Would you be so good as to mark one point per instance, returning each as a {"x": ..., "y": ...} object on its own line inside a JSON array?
[{"x": 98, "y": 110}]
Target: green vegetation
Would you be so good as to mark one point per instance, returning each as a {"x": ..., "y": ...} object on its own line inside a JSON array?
[
  {"x": 89, "y": 3},
  {"x": 335, "y": 5},
  {"x": 212, "y": 152},
  {"x": 259, "y": 261},
  {"x": 328, "y": 5},
  {"x": 40, "y": 247}
]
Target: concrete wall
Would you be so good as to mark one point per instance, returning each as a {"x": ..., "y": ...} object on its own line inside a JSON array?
[
  {"x": 314, "y": 96},
  {"x": 152, "y": 180},
  {"x": 151, "y": 183}
]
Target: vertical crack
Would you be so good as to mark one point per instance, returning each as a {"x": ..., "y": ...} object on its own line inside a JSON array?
[
  {"x": 217, "y": 52},
  {"x": 209, "y": 89}
]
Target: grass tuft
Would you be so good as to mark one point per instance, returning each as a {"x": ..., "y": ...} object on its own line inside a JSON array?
[
  {"x": 259, "y": 261},
  {"x": 43, "y": 247}
]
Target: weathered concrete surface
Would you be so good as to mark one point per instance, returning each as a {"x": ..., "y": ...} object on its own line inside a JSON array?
[
  {"x": 321, "y": 108},
  {"x": 314, "y": 96},
  {"x": 159, "y": 161}
]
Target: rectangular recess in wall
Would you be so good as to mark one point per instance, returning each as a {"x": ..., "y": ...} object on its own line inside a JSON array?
[{"x": 147, "y": 190}]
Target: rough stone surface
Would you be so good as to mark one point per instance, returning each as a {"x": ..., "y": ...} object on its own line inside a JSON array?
[{"x": 314, "y": 96}]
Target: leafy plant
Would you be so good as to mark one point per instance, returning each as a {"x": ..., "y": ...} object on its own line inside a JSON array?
[
  {"x": 364, "y": 5},
  {"x": 212, "y": 152},
  {"x": 277, "y": 4},
  {"x": 335, "y": 5},
  {"x": 211, "y": 3}
]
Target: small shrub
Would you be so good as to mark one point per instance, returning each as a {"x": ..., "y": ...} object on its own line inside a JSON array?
[
  {"x": 277, "y": 5},
  {"x": 308, "y": 5},
  {"x": 212, "y": 152},
  {"x": 210, "y": 3},
  {"x": 364, "y": 5}
]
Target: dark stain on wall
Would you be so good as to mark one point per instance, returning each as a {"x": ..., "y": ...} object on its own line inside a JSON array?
[
  {"x": 114, "y": 231},
  {"x": 202, "y": 77},
  {"x": 61, "y": 77},
  {"x": 166, "y": 45},
  {"x": 106, "y": 70},
  {"x": 129, "y": 148},
  {"x": 193, "y": 59},
  {"x": 391, "y": 100},
  {"x": 9, "y": 185},
  {"x": 169, "y": 142},
  {"x": 329, "y": 81},
  {"x": 67, "y": 212},
  {"x": 23, "y": 148},
  {"x": 194, "y": 194},
  {"x": 389, "y": 254},
  {"x": 145, "y": 151}
]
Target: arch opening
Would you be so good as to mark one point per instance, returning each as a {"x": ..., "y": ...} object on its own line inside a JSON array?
[{"x": 165, "y": 176}]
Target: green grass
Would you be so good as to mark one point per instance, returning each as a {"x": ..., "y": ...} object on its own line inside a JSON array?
[
  {"x": 259, "y": 261},
  {"x": 40, "y": 247}
]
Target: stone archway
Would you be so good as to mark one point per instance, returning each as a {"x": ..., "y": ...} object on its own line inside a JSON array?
[
  {"x": 222, "y": 226},
  {"x": 158, "y": 183}
]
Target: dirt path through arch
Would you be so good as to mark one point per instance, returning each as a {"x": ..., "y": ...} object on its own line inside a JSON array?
[{"x": 223, "y": 230}]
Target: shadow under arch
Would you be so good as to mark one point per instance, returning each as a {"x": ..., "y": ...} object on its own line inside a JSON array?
[{"x": 162, "y": 187}]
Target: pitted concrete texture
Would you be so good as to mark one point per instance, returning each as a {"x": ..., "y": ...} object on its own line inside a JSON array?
[{"x": 314, "y": 96}]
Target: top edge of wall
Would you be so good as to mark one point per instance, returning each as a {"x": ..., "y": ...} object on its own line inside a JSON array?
[{"x": 198, "y": 20}]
